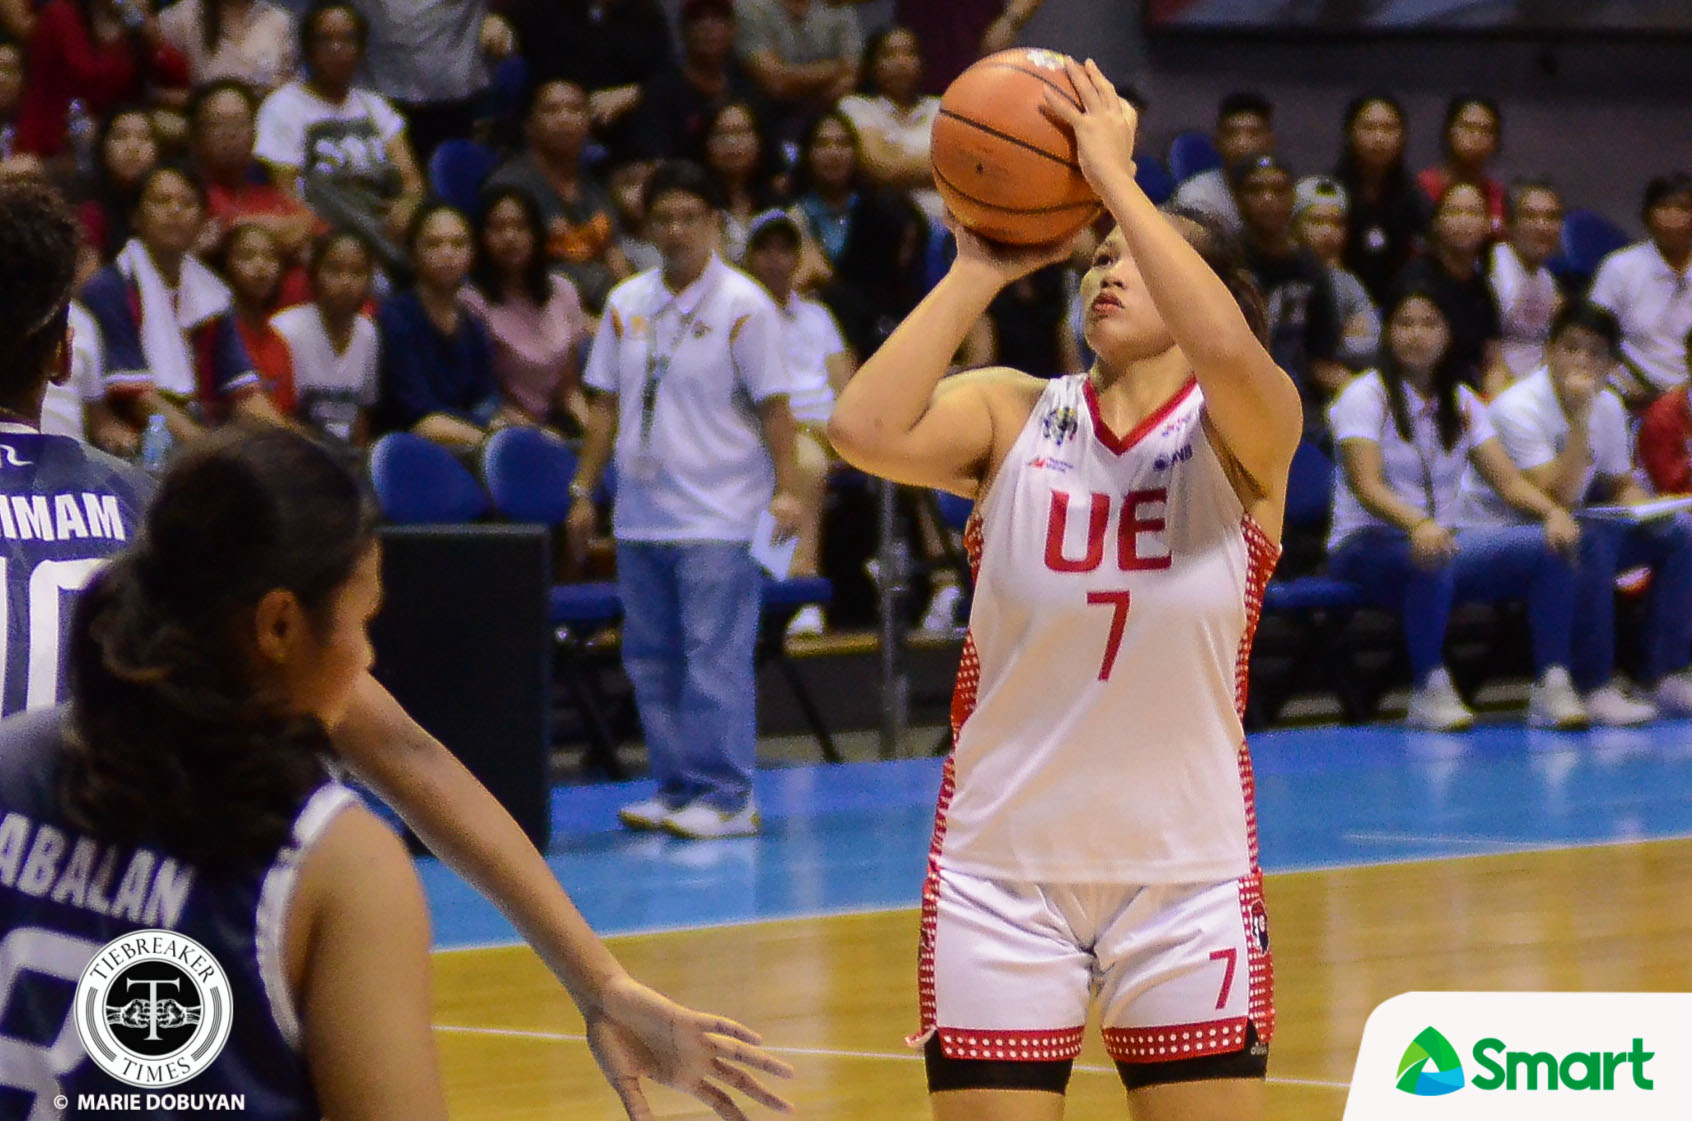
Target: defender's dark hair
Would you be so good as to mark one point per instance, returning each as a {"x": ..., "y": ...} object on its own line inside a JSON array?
[
  {"x": 1245, "y": 101},
  {"x": 1447, "y": 374},
  {"x": 537, "y": 273},
  {"x": 170, "y": 740},
  {"x": 684, "y": 176},
  {"x": 1588, "y": 316},
  {"x": 38, "y": 245},
  {"x": 1221, "y": 251}
]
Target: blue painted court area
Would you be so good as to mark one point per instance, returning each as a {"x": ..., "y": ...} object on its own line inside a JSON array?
[{"x": 855, "y": 836}]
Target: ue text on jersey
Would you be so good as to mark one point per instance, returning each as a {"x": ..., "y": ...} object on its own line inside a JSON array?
[{"x": 153, "y": 1101}]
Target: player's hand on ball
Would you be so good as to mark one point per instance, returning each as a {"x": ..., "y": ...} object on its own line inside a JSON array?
[
  {"x": 1104, "y": 126},
  {"x": 637, "y": 1033},
  {"x": 1007, "y": 262}
]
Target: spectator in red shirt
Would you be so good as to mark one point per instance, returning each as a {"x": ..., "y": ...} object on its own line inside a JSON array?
[
  {"x": 1470, "y": 138},
  {"x": 1665, "y": 438},
  {"x": 251, "y": 263},
  {"x": 221, "y": 131},
  {"x": 83, "y": 50}
]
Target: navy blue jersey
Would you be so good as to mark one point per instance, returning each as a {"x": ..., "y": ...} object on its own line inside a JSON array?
[
  {"x": 64, "y": 509},
  {"x": 64, "y": 895}
]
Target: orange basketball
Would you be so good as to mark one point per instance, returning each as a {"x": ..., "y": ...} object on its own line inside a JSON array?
[{"x": 1006, "y": 169}]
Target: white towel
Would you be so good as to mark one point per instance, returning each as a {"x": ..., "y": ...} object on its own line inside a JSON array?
[{"x": 164, "y": 328}]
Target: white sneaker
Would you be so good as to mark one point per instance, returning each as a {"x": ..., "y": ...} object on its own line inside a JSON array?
[
  {"x": 1610, "y": 706},
  {"x": 1436, "y": 707},
  {"x": 942, "y": 614},
  {"x": 1673, "y": 694},
  {"x": 699, "y": 822},
  {"x": 1553, "y": 702},
  {"x": 809, "y": 620},
  {"x": 649, "y": 814}
]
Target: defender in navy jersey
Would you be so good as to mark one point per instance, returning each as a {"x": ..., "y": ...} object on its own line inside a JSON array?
[
  {"x": 94, "y": 843},
  {"x": 64, "y": 508}
]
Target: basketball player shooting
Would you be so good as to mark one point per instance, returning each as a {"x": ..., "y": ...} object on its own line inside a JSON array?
[{"x": 1096, "y": 827}]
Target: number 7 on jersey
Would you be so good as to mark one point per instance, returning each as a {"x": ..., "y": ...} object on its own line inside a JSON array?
[{"x": 1118, "y": 603}]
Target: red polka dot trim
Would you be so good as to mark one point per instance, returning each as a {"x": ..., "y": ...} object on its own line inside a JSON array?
[
  {"x": 1183, "y": 1041},
  {"x": 1012, "y": 1046}
]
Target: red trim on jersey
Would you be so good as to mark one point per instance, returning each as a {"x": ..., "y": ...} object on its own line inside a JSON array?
[
  {"x": 1119, "y": 444},
  {"x": 1261, "y": 554},
  {"x": 1260, "y": 966},
  {"x": 963, "y": 706},
  {"x": 931, "y": 900},
  {"x": 1180, "y": 1041},
  {"x": 1054, "y": 1045}
]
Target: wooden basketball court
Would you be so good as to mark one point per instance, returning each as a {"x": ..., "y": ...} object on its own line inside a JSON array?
[{"x": 835, "y": 995}]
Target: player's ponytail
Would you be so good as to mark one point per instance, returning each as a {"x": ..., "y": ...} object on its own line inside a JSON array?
[
  {"x": 172, "y": 740},
  {"x": 1221, "y": 251}
]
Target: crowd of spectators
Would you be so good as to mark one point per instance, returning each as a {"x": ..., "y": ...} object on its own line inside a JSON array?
[{"x": 261, "y": 190}]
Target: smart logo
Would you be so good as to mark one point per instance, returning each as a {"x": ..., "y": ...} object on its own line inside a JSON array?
[
  {"x": 1515, "y": 1070},
  {"x": 1414, "y": 1077}
]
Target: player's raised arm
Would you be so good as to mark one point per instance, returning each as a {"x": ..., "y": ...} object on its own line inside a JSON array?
[
  {"x": 1251, "y": 402},
  {"x": 896, "y": 418}
]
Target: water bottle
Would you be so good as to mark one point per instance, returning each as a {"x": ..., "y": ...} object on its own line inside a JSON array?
[
  {"x": 156, "y": 442},
  {"x": 80, "y": 135}
]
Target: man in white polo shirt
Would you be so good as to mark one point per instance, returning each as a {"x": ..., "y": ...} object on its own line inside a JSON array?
[
  {"x": 1568, "y": 436},
  {"x": 1648, "y": 288},
  {"x": 691, "y": 403}
]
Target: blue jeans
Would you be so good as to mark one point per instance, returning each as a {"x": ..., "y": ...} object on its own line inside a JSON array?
[
  {"x": 1607, "y": 548},
  {"x": 690, "y": 631},
  {"x": 1492, "y": 563}
]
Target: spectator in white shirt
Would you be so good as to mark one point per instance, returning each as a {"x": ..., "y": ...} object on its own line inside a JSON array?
[
  {"x": 1524, "y": 288},
  {"x": 339, "y": 148},
  {"x": 1568, "y": 435},
  {"x": 334, "y": 344},
  {"x": 1406, "y": 433},
  {"x": 1648, "y": 287},
  {"x": 691, "y": 401},
  {"x": 894, "y": 119},
  {"x": 818, "y": 366}
]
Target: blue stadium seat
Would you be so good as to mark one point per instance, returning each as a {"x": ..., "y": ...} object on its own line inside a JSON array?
[
  {"x": 1192, "y": 153},
  {"x": 528, "y": 472},
  {"x": 457, "y": 171},
  {"x": 1588, "y": 237},
  {"x": 420, "y": 483},
  {"x": 1319, "y": 604},
  {"x": 1154, "y": 179}
]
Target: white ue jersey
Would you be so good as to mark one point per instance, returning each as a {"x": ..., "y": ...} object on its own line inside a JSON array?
[{"x": 1097, "y": 718}]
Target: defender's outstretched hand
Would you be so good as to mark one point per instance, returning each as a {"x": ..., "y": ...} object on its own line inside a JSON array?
[{"x": 639, "y": 1033}]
